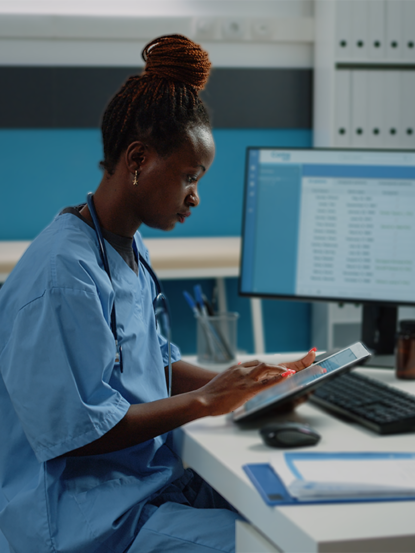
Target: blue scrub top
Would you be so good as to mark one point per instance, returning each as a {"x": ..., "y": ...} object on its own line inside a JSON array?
[{"x": 60, "y": 389}]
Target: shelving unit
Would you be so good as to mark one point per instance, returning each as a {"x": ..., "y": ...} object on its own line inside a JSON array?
[
  {"x": 364, "y": 74},
  {"x": 364, "y": 97}
]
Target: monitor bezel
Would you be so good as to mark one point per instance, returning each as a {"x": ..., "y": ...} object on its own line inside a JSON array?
[{"x": 308, "y": 299}]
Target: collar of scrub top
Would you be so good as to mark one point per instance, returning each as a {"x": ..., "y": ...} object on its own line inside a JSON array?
[{"x": 160, "y": 305}]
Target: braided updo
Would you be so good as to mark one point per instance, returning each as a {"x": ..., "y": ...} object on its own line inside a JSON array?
[{"x": 158, "y": 106}]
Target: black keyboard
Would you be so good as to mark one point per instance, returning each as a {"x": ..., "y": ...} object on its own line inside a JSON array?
[{"x": 373, "y": 404}]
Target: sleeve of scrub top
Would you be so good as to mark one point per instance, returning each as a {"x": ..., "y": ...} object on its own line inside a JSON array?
[{"x": 56, "y": 368}]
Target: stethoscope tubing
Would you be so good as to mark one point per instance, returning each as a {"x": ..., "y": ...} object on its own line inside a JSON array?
[
  {"x": 159, "y": 293},
  {"x": 104, "y": 257}
]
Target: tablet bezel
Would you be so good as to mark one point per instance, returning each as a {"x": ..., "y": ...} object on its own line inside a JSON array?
[{"x": 242, "y": 415}]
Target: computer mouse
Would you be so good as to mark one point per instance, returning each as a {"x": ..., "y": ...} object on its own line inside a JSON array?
[{"x": 289, "y": 434}]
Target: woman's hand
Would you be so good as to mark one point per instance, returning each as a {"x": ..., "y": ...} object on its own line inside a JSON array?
[
  {"x": 240, "y": 383},
  {"x": 221, "y": 394}
]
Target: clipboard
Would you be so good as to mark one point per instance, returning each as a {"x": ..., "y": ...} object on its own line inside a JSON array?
[{"x": 274, "y": 493}]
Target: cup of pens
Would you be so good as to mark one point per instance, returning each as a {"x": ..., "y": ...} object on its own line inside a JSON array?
[
  {"x": 216, "y": 338},
  {"x": 216, "y": 332}
]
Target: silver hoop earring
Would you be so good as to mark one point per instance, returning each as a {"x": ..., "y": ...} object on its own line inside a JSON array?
[{"x": 135, "y": 181}]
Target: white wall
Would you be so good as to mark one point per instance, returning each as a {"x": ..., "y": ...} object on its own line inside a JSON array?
[
  {"x": 236, "y": 33},
  {"x": 265, "y": 8}
]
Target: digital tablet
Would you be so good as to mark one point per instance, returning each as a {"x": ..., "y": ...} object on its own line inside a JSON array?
[{"x": 302, "y": 382}]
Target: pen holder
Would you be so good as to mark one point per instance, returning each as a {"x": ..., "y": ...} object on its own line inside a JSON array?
[{"x": 216, "y": 338}]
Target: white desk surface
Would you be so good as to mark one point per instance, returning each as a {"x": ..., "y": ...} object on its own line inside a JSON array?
[
  {"x": 170, "y": 257},
  {"x": 216, "y": 448}
]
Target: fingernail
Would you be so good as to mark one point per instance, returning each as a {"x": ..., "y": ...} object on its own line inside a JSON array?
[
  {"x": 312, "y": 349},
  {"x": 239, "y": 362},
  {"x": 288, "y": 372}
]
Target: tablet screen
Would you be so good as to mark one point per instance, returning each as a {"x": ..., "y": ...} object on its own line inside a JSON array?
[{"x": 303, "y": 380}]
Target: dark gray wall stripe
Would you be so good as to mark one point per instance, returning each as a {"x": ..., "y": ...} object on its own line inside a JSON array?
[
  {"x": 75, "y": 97},
  {"x": 260, "y": 98}
]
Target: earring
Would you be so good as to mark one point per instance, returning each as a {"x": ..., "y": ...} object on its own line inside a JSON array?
[{"x": 135, "y": 181}]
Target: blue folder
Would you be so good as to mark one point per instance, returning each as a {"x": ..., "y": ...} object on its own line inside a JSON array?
[{"x": 274, "y": 493}]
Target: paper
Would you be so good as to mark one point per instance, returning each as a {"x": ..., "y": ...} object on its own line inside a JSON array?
[{"x": 345, "y": 475}]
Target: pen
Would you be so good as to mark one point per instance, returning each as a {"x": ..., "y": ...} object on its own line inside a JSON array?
[
  {"x": 217, "y": 336},
  {"x": 199, "y": 299},
  {"x": 208, "y": 305},
  {"x": 191, "y": 303},
  {"x": 203, "y": 321},
  {"x": 202, "y": 300}
]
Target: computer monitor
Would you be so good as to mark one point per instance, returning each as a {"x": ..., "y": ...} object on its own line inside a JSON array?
[{"x": 332, "y": 225}]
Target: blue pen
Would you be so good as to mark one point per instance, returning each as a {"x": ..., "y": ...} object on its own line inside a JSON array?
[
  {"x": 191, "y": 303},
  {"x": 199, "y": 299},
  {"x": 202, "y": 300},
  {"x": 202, "y": 317},
  {"x": 215, "y": 334}
]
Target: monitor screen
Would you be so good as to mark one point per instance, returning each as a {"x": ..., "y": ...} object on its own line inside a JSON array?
[{"x": 333, "y": 225}]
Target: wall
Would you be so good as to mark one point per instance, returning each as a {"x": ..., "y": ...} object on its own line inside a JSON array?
[{"x": 50, "y": 143}]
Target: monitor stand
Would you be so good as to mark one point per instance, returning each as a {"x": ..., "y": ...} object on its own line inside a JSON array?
[{"x": 378, "y": 334}]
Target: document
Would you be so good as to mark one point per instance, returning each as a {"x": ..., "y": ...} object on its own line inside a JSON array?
[
  {"x": 328, "y": 476},
  {"x": 356, "y": 235}
]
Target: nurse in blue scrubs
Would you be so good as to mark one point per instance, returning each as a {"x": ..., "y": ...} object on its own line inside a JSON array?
[{"x": 86, "y": 459}]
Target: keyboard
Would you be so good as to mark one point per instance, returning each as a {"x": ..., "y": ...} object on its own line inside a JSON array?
[{"x": 377, "y": 406}]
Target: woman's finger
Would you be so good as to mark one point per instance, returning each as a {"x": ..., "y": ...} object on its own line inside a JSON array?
[
  {"x": 252, "y": 363},
  {"x": 266, "y": 372},
  {"x": 304, "y": 362}
]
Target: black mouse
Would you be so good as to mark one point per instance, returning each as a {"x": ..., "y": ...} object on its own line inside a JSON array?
[{"x": 289, "y": 434}]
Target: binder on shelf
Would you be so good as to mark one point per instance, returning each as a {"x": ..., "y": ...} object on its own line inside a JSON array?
[
  {"x": 376, "y": 40},
  {"x": 408, "y": 22},
  {"x": 359, "y": 34},
  {"x": 343, "y": 32},
  {"x": 342, "y": 126},
  {"x": 407, "y": 111},
  {"x": 375, "y": 108},
  {"x": 359, "y": 135},
  {"x": 394, "y": 29},
  {"x": 392, "y": 109}
]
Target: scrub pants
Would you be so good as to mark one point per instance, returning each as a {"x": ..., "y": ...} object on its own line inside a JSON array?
[{"x": 189, "y": 516}]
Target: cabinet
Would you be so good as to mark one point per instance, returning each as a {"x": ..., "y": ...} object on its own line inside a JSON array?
[{"x": 364, "y": 97}]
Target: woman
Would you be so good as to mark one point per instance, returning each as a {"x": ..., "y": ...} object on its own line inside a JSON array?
[{"x": 86, "y": 463}]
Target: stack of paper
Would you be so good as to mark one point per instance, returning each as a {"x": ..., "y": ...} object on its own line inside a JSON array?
[{"x": 321, "y": 475}]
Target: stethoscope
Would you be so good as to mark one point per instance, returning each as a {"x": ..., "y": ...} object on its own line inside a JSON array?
[{"x": 160, "y": 305}]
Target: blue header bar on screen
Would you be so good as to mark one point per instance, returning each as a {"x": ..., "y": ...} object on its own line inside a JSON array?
[{"x": 358, "y": 171}]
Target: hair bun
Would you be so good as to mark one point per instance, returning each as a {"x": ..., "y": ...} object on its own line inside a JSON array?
[{"x": 175, "y": 57}]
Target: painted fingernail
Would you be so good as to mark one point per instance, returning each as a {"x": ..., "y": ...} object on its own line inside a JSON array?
[
  {"x": 239, "y": 362},
  {"x": 312, "y": 349},
  {"x": 287, "y": 372}
]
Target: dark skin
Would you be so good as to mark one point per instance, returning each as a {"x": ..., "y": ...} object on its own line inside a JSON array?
[{"x": 166, "y": 191}]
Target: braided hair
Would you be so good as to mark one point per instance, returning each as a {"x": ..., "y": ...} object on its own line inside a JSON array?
[{"x": 159, "y": 105}]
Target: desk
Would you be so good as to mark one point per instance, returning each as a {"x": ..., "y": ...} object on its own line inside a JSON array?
[{"x": 217, "y": 449}]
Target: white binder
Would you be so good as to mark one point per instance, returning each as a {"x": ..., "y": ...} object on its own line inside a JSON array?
[
  {"x": 392, "y": 108},
  {"x": 408, "y": 46},
  {"x": 376, "y": 42},
  {"x": 394, "y": 30},
  {"x": 407, "y": 112},
  {"x": 359, "y": 108},
  {"x": 342, "y": 127},
  {"x": 360, "y": 30},
  {"x": 343, "y": 34},
  {"x": 375, "y": 108}
]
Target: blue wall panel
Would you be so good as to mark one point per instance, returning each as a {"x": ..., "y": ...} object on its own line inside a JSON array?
[{"x": 46, "y": 170}]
